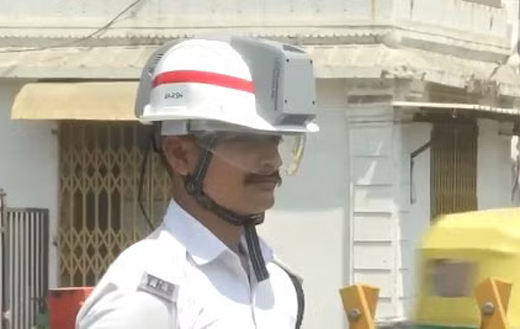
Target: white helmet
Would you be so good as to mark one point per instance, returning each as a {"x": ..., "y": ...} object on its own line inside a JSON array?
[{"x": 234, "y": 84}]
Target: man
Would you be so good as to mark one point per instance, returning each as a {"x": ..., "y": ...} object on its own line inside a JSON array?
[{"x": 224, "y": 110}]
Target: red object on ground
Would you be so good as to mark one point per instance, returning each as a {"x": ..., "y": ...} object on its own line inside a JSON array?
[{"x": 64, "y": 305}]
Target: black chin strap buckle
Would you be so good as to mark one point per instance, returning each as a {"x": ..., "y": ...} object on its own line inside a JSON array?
[
  {"x": 255, "y": 253},
  {"x": 191, "y": 186}
]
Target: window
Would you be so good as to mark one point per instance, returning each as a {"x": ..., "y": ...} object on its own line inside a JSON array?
[{"x": 451, "y": 278}]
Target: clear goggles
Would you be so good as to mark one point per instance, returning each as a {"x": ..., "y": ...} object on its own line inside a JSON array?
[{"x": 257, "y": 153}]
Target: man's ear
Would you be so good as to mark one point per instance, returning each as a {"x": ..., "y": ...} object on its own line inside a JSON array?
[{"x": 180, "y": 153}]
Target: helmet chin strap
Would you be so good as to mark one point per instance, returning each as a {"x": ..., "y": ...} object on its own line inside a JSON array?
[{"x": 194, "y": 184}]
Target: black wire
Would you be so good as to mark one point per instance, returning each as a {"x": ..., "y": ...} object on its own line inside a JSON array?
[
  {"x": 141, "y": 184},
  {"x": 70, "y": 43}
]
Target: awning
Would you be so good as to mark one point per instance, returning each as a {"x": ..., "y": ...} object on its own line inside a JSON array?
[
  {"x": 458, "y": 106},
  {"x": 378, "y": 61},
  {"x": 76, "y": 101}
]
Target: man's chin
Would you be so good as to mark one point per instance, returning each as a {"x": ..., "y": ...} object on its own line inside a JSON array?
[
  {"x": 258, "y": 206},
  {"x": 264, "y": 205}
]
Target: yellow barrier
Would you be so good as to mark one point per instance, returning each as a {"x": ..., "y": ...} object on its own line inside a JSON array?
[
  {"x": 493, "y": 300},
  {"x": 492, "y": 296},
  {"x": 359, "y": 302}
]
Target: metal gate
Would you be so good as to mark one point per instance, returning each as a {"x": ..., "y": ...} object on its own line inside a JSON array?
[
  {"x": 24, "y": 242},
  {"x": 454, "y": 167},
  {"x": 101, "y": 164}
]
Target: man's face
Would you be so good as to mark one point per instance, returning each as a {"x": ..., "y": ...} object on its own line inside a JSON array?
[{"x": 244, "y": 172}]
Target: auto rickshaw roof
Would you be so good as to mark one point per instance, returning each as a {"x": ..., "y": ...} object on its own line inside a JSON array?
[{"x": 496, "y": 230}]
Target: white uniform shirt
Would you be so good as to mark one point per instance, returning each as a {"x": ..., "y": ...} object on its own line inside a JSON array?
[{"x": 181, "y": 277}]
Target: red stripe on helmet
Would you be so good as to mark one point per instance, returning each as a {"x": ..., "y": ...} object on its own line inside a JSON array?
[{"x": 209, "y": 78}]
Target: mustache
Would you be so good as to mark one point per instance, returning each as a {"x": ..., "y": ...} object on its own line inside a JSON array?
[{"x": 259, "y": 178}]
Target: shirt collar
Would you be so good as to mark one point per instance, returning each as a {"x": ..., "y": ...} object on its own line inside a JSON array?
[{"x": 202, "y": 245}]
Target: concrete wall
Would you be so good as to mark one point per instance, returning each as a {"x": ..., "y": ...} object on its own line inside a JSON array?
[
  {"x": 515, "y": 158},
  {"x": 386, "y": 223},
  {"x": 414, "y": 217},
  {"x": 308, "y": 227},
  {"x": 494, "y": 174},
  {"x": 197, "y": 14},
  {"x": 461, "y": 15},
  {"x": 376, "y": 185},
  {"x": 461, "y": 21},
  {"x": 513, "y": 13},
  {"x": 373, "y": 216},
  {"x": 29, "y": 165}
]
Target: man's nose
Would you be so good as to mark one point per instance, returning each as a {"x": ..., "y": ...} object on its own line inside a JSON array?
[{"x": 270, "y": 158}]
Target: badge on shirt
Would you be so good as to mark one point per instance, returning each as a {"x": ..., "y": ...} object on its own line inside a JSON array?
[{"x": 157, "y": 287}]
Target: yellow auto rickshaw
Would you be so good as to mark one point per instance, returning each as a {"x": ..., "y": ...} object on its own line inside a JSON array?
[{"x": 458, "y": 253}]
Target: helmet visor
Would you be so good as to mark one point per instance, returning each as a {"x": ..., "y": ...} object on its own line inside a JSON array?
[{"x": 258, "y": 153}]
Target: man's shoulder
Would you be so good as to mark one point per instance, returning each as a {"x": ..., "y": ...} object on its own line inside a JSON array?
[
  {"x": 159, "y": 255},
  {"x": 151, "y": 270},
  {"x": 290, "y": 272}
]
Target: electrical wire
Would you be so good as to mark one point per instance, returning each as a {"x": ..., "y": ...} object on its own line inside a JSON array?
[
  {"x": 141, "y": 186},
  {"x": 85, "y": 38}
]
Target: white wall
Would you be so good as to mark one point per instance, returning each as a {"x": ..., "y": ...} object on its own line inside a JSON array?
[
  {"x": 414, "y": 215},
  {"x": 515, "y": 158},
  {"x": 387, "y": 226},
  {"x": 29, "y": 165},
  {"x": 513, "y": 11},
  {"x": 460, "y": 20},
  {"x": 152, "y": 14},
  {"x": 463, "y": 15},
  {"x": 494, "y": 175},
  {"x": 308, "y": 227},
  {"x": 374, "y": 217}
]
